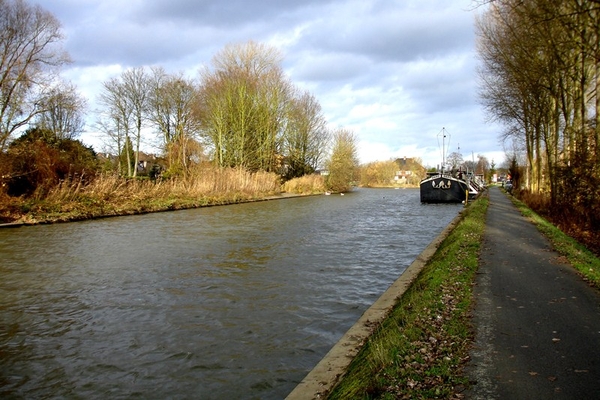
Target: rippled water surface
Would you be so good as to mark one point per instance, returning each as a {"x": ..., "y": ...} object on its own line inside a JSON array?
[{"x": 224, "y": 302}]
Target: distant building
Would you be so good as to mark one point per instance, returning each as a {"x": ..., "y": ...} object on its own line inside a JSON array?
[{"x": 410, "y": 171}]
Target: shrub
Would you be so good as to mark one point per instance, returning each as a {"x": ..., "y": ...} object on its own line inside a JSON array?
[{"x": 37, "y": 162}]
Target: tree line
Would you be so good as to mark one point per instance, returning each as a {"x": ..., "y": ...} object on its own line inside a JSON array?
[
  {"x": 240, "y": 111},
  {"x": 540, "y": 77}
]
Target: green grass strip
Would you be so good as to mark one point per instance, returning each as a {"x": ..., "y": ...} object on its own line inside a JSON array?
[{"x": 420, "y": 348}]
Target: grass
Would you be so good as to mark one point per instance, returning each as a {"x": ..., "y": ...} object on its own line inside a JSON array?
[
  {"x": 575, "y": 253},
  {"x": 420, "y": 348},
  {"x": 308, "y": 184}
]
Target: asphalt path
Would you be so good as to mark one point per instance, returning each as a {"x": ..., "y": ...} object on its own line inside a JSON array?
[{"x": 537, "y": 322}]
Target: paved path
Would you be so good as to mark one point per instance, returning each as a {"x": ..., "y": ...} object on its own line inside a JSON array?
[{"x": 537, "y": 322}]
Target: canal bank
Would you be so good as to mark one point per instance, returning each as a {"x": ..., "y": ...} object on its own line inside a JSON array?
[
  {"x": 327, "y": 373},
  {"x": 62, "y": 218}
]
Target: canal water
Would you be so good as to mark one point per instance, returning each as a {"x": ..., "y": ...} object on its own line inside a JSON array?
[{"x": 224, "y": 302}]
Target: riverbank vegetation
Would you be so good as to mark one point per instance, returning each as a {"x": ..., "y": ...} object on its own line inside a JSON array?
[
  {"x": 307, "y": 184},
  {"x": 111, "y": 195},
  {"x": 401, "y": 172},
  {"x": 540, "y": 77},
  {"x": 378, "y": 174},
  {"x": 420, "y": 348}
]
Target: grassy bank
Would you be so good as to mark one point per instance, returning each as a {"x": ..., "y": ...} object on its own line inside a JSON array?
[
  {"x": 109, "y": 195},
  {"x": 419, "y": 350}
]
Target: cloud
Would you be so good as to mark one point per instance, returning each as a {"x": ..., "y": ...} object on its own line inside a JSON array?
[
  {"x": 386, "y": 31},
  {"x": 225, "y": 14},
  {"x": 328, "y": 67}
]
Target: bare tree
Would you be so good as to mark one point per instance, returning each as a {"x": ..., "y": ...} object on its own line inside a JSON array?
[
  {"x": 136, "y": 91},
  {"x": 115, "y": 120},
  {"x": 29, "y": 55},
  {"x": 483, "y": 166},
  {"x": 170, "y": 111},
  {"x": 125, "y": 100},
  {"x": 540, "y": 76},
  {"x": 62, "y": 112},
  {"x": 454, "y": 161},
  {"x": 252, "y": 116},
  {"x": 520, "y": 84},
  {"x": 272, "y": 99},
  {"x": 306, "y": 138}
]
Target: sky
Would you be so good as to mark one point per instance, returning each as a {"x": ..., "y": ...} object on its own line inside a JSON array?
[{"x": 395, "y": 72}]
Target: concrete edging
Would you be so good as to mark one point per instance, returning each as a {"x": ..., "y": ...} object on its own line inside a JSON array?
[{"x": 333, "y": 366}]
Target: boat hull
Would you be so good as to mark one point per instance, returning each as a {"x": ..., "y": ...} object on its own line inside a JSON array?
[{"x": 443, "y": 189}]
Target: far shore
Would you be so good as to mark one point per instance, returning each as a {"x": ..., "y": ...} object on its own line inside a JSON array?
[
  {"x": 32, "y": 219},
  {"x": 77, "y": 211}
]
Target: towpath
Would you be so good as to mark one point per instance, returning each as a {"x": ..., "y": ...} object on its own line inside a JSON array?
[{"x": 537, "y": 322}]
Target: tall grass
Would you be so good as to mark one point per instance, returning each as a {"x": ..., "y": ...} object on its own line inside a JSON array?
[
  {"x": 308, "y": 184},
  {"x": 112, "y": 195},
  {"x": 212, "y": 182}
]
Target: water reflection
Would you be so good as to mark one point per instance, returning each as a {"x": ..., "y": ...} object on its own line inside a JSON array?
[{"x": 224, "y": 302}]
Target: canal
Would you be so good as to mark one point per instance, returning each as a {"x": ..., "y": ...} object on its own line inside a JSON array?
[{"x": 235, "y": 301}]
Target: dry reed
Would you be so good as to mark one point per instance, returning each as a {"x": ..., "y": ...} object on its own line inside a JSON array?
[
  {"x": 308, "y": 184},
  {"x": 112, "y": 195}
]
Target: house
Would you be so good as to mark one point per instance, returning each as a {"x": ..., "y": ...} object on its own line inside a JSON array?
[{"x": 410, "y": 171}]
